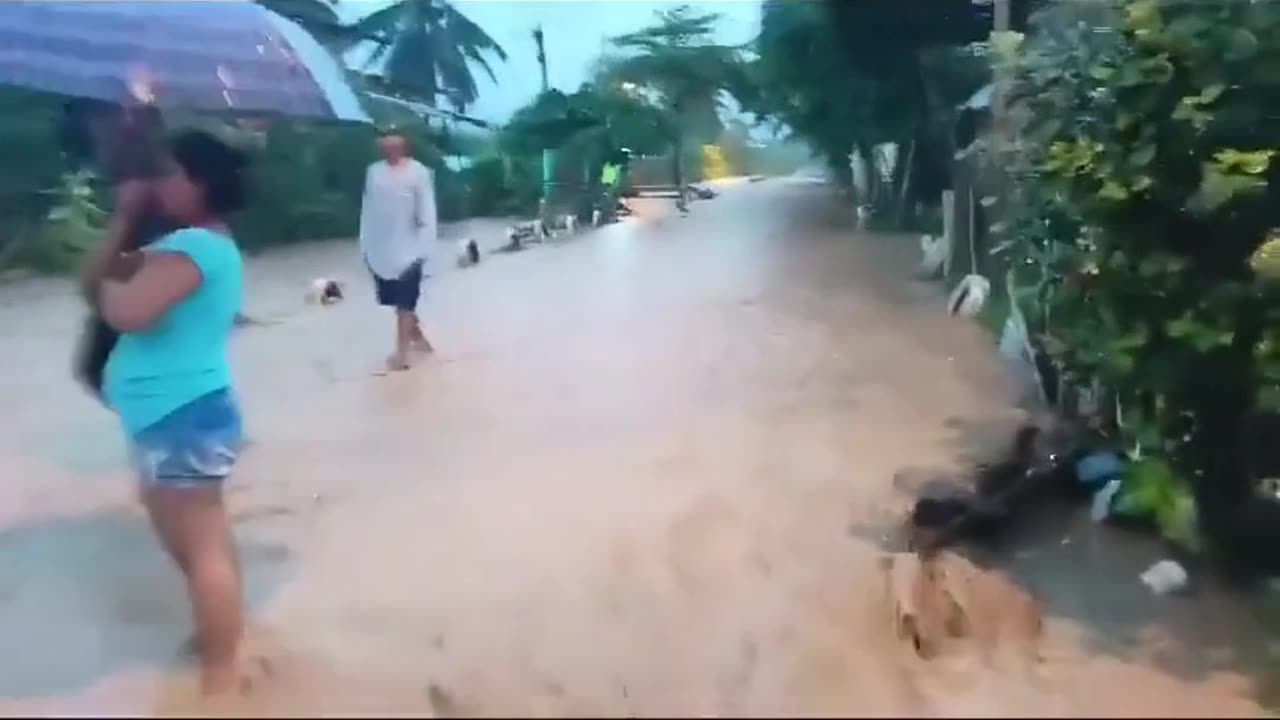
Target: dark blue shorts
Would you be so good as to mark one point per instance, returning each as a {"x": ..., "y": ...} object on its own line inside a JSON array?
[
  {"x": 400, "y": 293},
  {"x": 194, "y": 446}
]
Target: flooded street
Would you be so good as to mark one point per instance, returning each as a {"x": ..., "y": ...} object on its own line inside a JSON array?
[{"x": 624, "y": 486}]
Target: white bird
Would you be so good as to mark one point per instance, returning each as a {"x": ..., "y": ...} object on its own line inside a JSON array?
[
  {"x": 595, "y": 218},
  {"x": 570, "y": 223},
  {"x": 933, "y": 252}
]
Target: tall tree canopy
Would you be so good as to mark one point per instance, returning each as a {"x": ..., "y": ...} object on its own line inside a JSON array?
[
  {"x": 426, "y": 49},
  {"x": 848, "y": 74},
  {"x": 676, "y": 64}
]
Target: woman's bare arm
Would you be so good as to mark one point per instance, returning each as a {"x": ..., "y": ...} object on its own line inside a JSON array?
[
  {"x": 162, "y": 280},
  {"x": 108, "y": 258}
]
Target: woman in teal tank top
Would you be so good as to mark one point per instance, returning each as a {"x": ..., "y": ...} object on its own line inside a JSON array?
[{"x": 174, "y": 304}]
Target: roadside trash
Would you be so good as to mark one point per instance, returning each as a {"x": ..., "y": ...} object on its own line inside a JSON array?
[
  {"x": 702, "y": 193},
  {"x": 1098, "y": 469},
  {"x": 1015, "y": 348},
  {"x": 1165, "y": 577},
  {"x": 969, "y": 296}
]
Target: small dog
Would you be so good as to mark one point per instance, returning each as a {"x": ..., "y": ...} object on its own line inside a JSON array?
[
  {"x": 324, "y": 291},
  {"x": 468, "y": 253}
]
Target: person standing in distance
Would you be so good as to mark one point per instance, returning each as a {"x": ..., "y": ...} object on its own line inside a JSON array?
[{"x": 397, "y": 226}]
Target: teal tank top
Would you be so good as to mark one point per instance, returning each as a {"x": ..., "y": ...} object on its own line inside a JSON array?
[{"x": 183, "y": 355}]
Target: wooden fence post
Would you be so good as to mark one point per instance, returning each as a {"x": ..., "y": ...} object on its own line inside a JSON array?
[{"x": 948, "y": 229}]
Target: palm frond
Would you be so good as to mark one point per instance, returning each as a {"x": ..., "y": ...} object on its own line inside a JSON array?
[
  {"x": 379, "y": 26},
  {"x": 469, "y": 34},
  {"x": 455, "y": 76},
  {"x": 429, "y": 48},
  {"x": 411, "y": 63}
]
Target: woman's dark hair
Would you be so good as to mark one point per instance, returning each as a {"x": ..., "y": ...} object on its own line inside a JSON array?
[{"x": 215, "y": 166}]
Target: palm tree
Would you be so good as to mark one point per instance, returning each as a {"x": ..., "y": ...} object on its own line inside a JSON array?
[
  {"x": 676, "y": 63},
  {"x": 428, "y": 47}
]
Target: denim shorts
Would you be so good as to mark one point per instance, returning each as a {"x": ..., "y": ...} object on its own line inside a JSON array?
[{"x": 193, "y": 446}]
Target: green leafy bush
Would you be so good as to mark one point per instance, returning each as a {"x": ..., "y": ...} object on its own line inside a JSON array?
[
  {"x": 1146, "y": 184},
  {"x": 72, "y": 225}
]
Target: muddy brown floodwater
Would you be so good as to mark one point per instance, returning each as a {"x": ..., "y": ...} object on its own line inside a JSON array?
[{"x": 624, "y": 486}]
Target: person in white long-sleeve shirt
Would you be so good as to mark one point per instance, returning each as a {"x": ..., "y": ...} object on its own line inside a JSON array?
[{"x": 397, "y": 226}]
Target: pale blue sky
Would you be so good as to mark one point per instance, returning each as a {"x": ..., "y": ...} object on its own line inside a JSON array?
[{"x": 576, "y": 32}]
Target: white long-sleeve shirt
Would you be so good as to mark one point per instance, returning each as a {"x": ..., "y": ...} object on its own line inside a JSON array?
[{"x": 397, "y": 216}]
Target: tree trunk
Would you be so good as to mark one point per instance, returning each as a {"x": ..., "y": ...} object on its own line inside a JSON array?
[
  {"x": 677, "y": 161},
  {"x": 905, "y": 190}
]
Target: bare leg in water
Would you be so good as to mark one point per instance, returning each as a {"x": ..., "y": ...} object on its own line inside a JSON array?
[
  {"x": 193, "y": 526},
  {"x": 406, "y": 332},
  {"x": 418, "y": 340}
]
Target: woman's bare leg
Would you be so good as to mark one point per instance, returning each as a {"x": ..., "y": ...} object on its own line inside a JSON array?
[{"x": 193, "y": 526}]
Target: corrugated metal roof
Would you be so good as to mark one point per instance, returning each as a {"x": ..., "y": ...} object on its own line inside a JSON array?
[{"x": 422, "y": 109}]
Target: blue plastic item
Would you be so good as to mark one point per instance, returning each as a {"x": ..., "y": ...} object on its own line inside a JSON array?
[{"x": 1098, "y": 468}]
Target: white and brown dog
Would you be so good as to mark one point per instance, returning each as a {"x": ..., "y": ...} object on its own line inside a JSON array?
[{"x": 324, "y": 291}]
